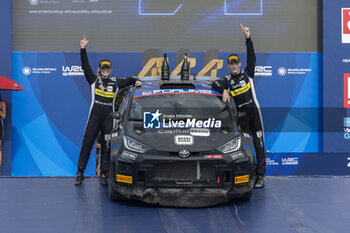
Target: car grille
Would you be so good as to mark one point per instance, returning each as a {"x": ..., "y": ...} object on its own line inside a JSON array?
[{"x": 184, "y": 171}]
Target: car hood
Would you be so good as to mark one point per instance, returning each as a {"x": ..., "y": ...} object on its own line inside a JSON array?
[{"x": 173, "y": 140}]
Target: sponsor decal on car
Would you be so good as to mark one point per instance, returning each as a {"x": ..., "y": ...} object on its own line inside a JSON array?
[
  {"x": 241, "y": 179},
  {"x": 213, "y": 156},
  {"x": 128, "y": 155},
  {"x": 237, "y": 155},
  {"x": 183, "y": 140},
  {"x": 175, "y": 91},
  {"x": 173, "y": 131},
  {"x": 124, "y": 179},
  {"x": 200, "y": 132}
]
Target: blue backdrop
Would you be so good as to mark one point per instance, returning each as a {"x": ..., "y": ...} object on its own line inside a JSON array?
[
  {"x": 304, "y": 99},
  {"x": 47, "y": 139}
]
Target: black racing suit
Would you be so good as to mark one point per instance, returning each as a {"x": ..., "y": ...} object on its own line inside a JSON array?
[
  {"x": 241, "y": 87},
  {"x": 100, "y": 112}
]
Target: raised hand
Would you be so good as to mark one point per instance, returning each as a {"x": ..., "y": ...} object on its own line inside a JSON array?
[
  {"x": 83, "y": 42},
  {"x": 138, "y": 83},
  {"x": 246, "y": 31}
]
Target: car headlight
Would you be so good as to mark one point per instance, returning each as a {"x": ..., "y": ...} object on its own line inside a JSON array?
[
  {"x": 230, "y": 146},
  {"x": 133, "y": 145}
]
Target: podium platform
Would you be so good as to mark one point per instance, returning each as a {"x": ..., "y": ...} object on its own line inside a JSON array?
[{"x": 286, "y": 204}]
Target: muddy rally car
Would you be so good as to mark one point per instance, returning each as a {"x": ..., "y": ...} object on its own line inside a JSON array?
[{"x": 176, "y": 143}]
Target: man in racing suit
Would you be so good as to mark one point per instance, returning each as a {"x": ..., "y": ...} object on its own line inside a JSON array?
[
  {"x": 104, "y": 89},
  {"x": 240, "y": 86}
]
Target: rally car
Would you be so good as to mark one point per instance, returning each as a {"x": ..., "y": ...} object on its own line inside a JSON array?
[{"x": 176, "y": 143}]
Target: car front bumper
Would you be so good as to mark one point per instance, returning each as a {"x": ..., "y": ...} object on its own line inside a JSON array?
[{"x": 197, "y": 181}]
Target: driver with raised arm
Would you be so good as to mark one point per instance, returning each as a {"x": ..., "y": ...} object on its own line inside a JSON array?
[{"x": 240, "y": 85}]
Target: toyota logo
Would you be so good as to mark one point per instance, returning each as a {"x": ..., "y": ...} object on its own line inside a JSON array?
[{"x": 184, "y": 154}]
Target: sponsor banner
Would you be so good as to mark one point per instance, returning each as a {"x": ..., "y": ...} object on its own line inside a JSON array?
[
  {"x": 263, "y": 71},
  {"x": 347, "y": 90},
  {"x": 271, "y": 162},
  {"x": 72, "y": 71},
  {"x": 336, "y": 75},
  {"x": 38, "y": 70},
  {"x": 347, "y": 135},
  {"x": 281, "y": 71},
  {"x": 55, "y": 119},
  {"x": 345, "y": 33},
  {"x": 290, "y": 161},
  {"x": 346, "y": 121},
  {"x": 307, "y": 164},
  {"x": 60, "y": 101}
]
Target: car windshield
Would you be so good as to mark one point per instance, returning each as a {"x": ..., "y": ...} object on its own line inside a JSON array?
[{"x": 180, "y": 104}]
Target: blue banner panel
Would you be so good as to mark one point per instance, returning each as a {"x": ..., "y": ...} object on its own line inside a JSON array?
[
  {"x": 336, "y": 73},
  {"x": 50, "y": 116},
  {"x": 278, "y": 164}
]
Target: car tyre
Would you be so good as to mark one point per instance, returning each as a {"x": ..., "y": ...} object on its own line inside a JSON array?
[{"x": 113, "y": 194}]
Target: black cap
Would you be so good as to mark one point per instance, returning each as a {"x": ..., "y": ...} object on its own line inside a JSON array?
[
  {"x": 104, "y": 63},
  {"x": 233, "y": 58}
]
